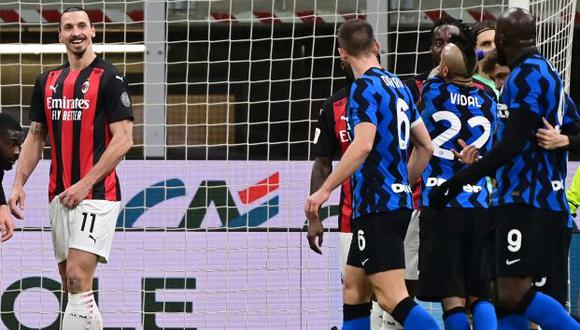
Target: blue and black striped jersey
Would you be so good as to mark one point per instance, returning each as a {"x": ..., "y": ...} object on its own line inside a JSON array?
[
  {"x": 535, "y": 176},
  {"x": 452, "y": 112},
  {"x": 381, "y": 184}
]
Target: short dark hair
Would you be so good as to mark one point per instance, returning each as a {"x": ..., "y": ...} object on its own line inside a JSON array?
[
  {"x": 465, "y": 43},
  {"x": 7, "y": 123},
  {"x": 356, "y": 37},
  {"x": 447, "y": 20},
  {"x": 482, "y": 26},
  {"x": 71, "y": 10}
]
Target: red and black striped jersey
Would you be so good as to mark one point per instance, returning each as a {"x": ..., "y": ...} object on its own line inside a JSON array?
[
  {"x": 331, "y": 140},
  {"x": 77, "y": 108}
]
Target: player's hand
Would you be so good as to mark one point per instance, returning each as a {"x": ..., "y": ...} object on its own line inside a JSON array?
[
  {"x": 550, "y": 138},
  {"x": 443, "y": 194},
  {"x": 314, "y": 202},
  {"x": 6, "y": 224},
  {"x": 16, "y": 202},
  {"x": 75, "y": 194},
  {"x": 315, "y": 232},
  {"x": 469, "y": 153}
]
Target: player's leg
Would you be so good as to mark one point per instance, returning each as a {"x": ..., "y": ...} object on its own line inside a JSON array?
[
  {"x": 81, "y": 310},
  {"x": 356, "y": 297},
  {"x": 454, "y": 314},
  {"x": 411, "y": 244},
  {"x": 356, "y": 288},
  {"x": 382, "y": 236},
  {"x": 62, "y": 272},
  {"x": 60, "y": 235},
  {"x": 92, "y": 226},
  {"x": 479, "y": 275},
  {"x": 519, "y": 253},
  {"x": 344, "y": 246},
  {"x": 442, "y": 261}
]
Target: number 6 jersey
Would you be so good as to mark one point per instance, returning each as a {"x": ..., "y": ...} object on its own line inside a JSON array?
[
  {"x": 381, "y": 183},
  {"x": 452, "y": 112}
]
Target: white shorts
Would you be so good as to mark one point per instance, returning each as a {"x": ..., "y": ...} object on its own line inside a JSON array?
[
  {"x": 412, "y": 248},
  {"x": 88, "y": 227},
  {"x": 343, "y": 246}
]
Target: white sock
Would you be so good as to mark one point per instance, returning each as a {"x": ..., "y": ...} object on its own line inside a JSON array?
[
  {"x": 389, "y": 323},
  {"x": 81, "y": 313},
  {"x": 376, "y": 316}
]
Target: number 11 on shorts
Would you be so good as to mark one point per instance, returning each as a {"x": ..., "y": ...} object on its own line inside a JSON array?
[{"x": 85, "y": 216}]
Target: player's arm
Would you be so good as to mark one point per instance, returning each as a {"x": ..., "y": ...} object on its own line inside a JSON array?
[
  {"x": 6, "y": 224},
  {"x": 119, "y": 114},
  {"x": 31, "y": 150},
  {"x": 325, "y": 147},
  {"x": 363, "y": 117},
  {"x": 520, "y": 127},
  {"x": 422, "y": 151},
  {"x": 352, "y": 159},
  {"x": 320, "y": 171},
  {"x": 121, "y": 142},
  {"x": 569, "y": 137}
]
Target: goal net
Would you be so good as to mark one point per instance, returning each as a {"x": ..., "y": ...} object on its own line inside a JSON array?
[{"x": 225, "y": 95}]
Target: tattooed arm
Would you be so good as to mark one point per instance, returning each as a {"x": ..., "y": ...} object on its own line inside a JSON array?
[{"x": 29, "y": 157}]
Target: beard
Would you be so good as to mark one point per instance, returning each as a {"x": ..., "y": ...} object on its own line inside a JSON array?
[{"x": 78, "y": 52}]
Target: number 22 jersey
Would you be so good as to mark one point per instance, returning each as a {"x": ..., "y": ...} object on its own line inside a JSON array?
[{"x": 452, "y": 112}]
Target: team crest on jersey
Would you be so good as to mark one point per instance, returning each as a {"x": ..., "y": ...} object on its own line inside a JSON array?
[
  {"x": 125, "y": 100},
  {"x": 86, "y": 86}
]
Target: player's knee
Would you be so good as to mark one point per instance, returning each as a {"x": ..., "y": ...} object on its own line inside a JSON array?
[
  {"x": 511, "y": 291},
  {"x": 389, "y": 301},
  {"x": 450, "y": 303},
  {"x": 355, "y": 292},
  {"x": 76, "y": 279}
]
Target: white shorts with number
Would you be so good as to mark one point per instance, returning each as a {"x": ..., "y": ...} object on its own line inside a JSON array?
[
  {"x": 88, "y": 227},
  {"x": 412, "y": 247}
]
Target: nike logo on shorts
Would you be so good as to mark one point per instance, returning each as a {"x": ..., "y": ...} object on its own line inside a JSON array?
[
  {"x": 511, "y": 262},
  {"x": 364, "y": 261}
]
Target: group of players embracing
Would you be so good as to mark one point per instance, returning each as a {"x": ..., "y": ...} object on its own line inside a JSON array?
[{"x": 488, "y": 231}]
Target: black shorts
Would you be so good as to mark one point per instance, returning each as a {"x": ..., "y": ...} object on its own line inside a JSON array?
[
  {"x": 555, "y": 282},
  {"x": 450, "y": 253},
  {"x": 528, "y": 240},
  {"x": 377, "y": 241}
]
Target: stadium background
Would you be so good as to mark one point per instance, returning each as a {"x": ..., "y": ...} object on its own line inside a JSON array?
[{"x": 225, "y": 94}]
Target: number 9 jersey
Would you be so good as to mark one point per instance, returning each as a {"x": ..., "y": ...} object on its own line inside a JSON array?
[
  {"x": 452, "y": 112},
  {"x": 381, "y": 183}
]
